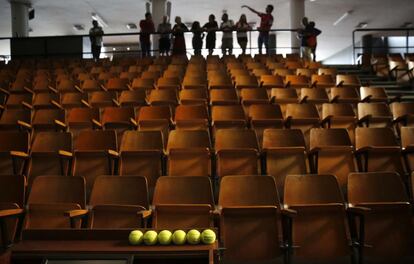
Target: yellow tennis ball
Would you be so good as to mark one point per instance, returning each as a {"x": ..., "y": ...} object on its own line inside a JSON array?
[
  {"x": 208, "y": 236},
  {"x": 135, "y": 237},
  {"x": 193, "y": 237},
  {"x": 164, "y": 237},
  {"x": 150, "y": 238},
  {"x": 179, "y": 237}
]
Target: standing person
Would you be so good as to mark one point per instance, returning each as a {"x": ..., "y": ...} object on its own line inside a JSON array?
[
  {"x": 312, "y": 38},
  {"x": 211, "y": 26},
  {"x": 303, "y": 34},
  {"x": 227, "y": 41},
  {"x": 147, "y": 27},
  {"x": 266, "y": 22},
  {"x": 179, "y": 41},
  {"x": 165, "y": 42},
  {"x": 198, "y": 36},
  {"x": 95, "y": 35},
  {"x": 242, "y": 26}
]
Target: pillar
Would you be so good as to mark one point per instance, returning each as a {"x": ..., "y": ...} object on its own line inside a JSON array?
[
  {"x": 158, "y": 11},
  {"x": 20, "y": 19},
  {"x": 297, "y": 12}
]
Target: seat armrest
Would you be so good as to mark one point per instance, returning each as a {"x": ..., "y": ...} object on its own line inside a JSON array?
[
  {"x": 28, "y": 106},
  {"x": 358, "y": 210},
  {"x": 11, "y": 213},
  {"x": 363, "y": 150},
  {"x": 76, "y": 213},
  {"x": 65, "y": 154},
  {"x": 96, "y": 124},
  {"x": 24, "y": 124},
  {"x": 116, "y": 103},
  {"x": 60, "y": 124},
  {"x": 56, "y": 104},
  {"x": 19, "y": 154},
  {"x": 366, "y": 99},
  {"x": 2, "y": 90},
  {"x": 288, "y": 212},
  {"x": 145, "y": 214},
  {"x": 113, "y": 153},
  {"x": 85, "y": 103},
  {"x": 133, "y": 122},
  {"x": 54, "y": 90},
  {"x": 78, "y": 89}
]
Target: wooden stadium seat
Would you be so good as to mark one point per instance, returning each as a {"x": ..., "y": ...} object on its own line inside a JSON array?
[
  {"x": 67, "y": 86},
  {"x": 297, "y": 81},
  {"x": 16, "y": 101},
  {"x": 155, "y": 118},
  {"x": 117, "y": 84},
  {"x": 72, "y": 100},
  {"x": 50, "y": 154},
  {"x": 79, "y": 119},
  {"x": 149, "y": 74},
  {"x": 169, "y": 83},
  {"x": 95, "y": 153},
  {"x": 45, "y": 100},
  {"x": 224, "y": 97},
  {"x": 119, "y": 119},
  {"x": 227, "y": 116},
  {"x": 12, "y": 201},
  {"x": 293, "y": 63},
  {"x": 260, "y": 72},
  {"x": 142, "y": 83},
  {"x": 250, "y": 220},
  {"x": 118, "y": 202},
  {"x": 15, "y": 120},
  {"x": 373, "y": 94},
  {"x": 263, "y": 116},
  {"x": 52, "y": 200},
  {"x": 347, "y": 81},
  {"x": 407, "y": 144},
  {"x": 133, "y": 98},
  {"x": 283, "y": 96},
  {"x": 403, "y": 113},
  {"x": 340, "y": 116},
  {"x": 48, "y": 120},
  {"x": 374, "y": 114},
  {"x": 322, "y": 81},
  {"x": 163, "y": 97},
  {"x": 104, "y": 77},
  {"x": 189, "y": 153},
  {"x": 246, "y": 81},
  {"x": 399, "y": 70},
  {"x": 193, "y": 96},
  {"x": 303, "y": 117},
  {"x": 332, "y": 153},
  {"x": 347, "y": 95},
  {"x": 237, "y": 152},
  {"x": 90, "y": 85},
  {"x": 129, "y": 76},
  {"x": 271, "y": 81},
  {"x": 387, "y": 222},
  {"x": 283, "y": 72},
  {"x": 183, "y": 202},
  {"x": 220, "y": 82},
  {"x": 191, "y": 82},
  {"x": 305, "y": 72},
  {"x": 320, "y": 229},
  {"x": 378, "y": 150},
  {"x": 250, "y": 96},
  {"x": 316, "y": 96},
  {"x": 142, "y": 153},
  {"x": 103, "y": 99},
  {"x": 192, "y": 117}
]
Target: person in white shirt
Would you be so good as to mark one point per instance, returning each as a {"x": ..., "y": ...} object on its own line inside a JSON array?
[
  {"x": 227, "y": 27},
  {"x": 95, "y": 35},
  {"x": 242, "y": 27}
]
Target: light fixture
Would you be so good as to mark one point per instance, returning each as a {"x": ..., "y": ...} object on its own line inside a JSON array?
[
  {"x": 78, "y": 27},
  {"x": 407, "y": 25},
  {"x": 312, "y": 0},
  {"x": 342, "y": 17},
  {"x": 100, "y": 20},
  {"x": 131, "y": 26},
  {"x": 362, "y": 25},
  {"x": 128, "y": 48},
  {"x": 114, "y": 49}
]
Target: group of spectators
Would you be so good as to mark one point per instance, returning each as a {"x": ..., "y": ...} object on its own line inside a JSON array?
[{"x": 175, "y": 35}]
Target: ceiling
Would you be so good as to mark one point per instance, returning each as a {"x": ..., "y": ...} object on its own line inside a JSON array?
[{"x": 56, "y": 17}]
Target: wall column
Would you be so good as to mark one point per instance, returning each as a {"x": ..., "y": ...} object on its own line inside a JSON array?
[
  {"x": 158, "y": 10},
  {"x": 297, "y": 12},
  {"x": 20, "y": 19}
]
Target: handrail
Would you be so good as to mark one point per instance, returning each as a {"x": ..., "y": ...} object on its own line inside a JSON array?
[{"x": 404, "y": 30}]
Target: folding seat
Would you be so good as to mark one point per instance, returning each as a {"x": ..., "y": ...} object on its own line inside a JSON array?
[
  {"x": 332, "y": 153},
  {"x": 154, "y": 75},
  {"x": 314, "y": 65},
  {"x": 235, "y": 65},
  {"x": 179, "y": 60},
  {"x": 297, "y": 81},
  {"x": 79, "y": 119},
  {"x": 42, "y": 85},
  {"x": 155, "y": 118},
  {"x": 46, "y": 101},
  {"x": 407, "y": 145},
  {"x": 14, "y": 149},
  {"x": 250, "y": 220},
  {"x": 340, "y": 116},
  {"x": 222, "y": 82},
  {"x": 263, "y": 116},
  {"x": 320, "y": 227},
  {"x": 191, "y": 82},
  {"x": 96, "y": 70},
  {"x": 116, "y": 84},
  {"x": 271, "y": 81},
  {"x": 322, "y": 81},
  {"x": 192, "y": 117},
  {"x": 163, "y": 97},
  {"x": 67, "y": 86},
  {"x": 12, "y": 198},
  {"x": 72, "y": 100},
  {"x": 104, "y": 77},
  {"x": 305, "y": 72},
  {"x": 183, "y": 202},
  {"x": 224, "y": 97},
  {"x": 374, "y": 114},
  {"x": 119, "y": 119},
  {"x": 142, "y": 153},
  {"x": 250, "y": 96},
  {"x": 133, "y": 98},
  {"x": 189, "y": 153},
  {"x": 173, "y": 75},
  {"x": 237, "y": 152},
  {"x": 193, "y": 96},
  {"x": 284, "y": 154},
  {"x": 388, "y": 227},
  {"x": 304, "y": 117},
  {"x": 238, "y": 72},
  {"x": 228, "y": 116},
  {"x": 316, "y": 96},
  {"x": 377, "y": 149},
  {"x": 48, "y": 120},
  {"x": 373, "y": 94},
  {"x": 169, "y": 83},
  {"x": 403, "y": 113},
  {"x": 15, "y": 120},
  {"x": 116, "y": 69},
  {"x": 283, "y": 96},
  {"x": 141, "y": 83},
  {"x": 283, "y": 72},
  {"x": 246, "y": 81},
  {"x": 328, "y": 71},
  {"x": 15, "y": 101},
  {"x": 90, "y": 85},
  {"x": 118, "y": 202},
  {"x": 50, "y": 154},
  {"x": 21, "y": 85},
  {"x": 261, "y": 72},
  {"x": 293, "y": 64},
  {"x": 343, "y": 80},
  {"x": 254, "y": 65},
  {"x": 95, "y": 153},
  {"x": 54, "y": 201},
  {"x": 103, "y": 99},
  {"x": 345, "y": 95},
  {"x": 399, "y": 70},
  {"x": 272, "y": 65},
  {"x": 129, "y": 76}
]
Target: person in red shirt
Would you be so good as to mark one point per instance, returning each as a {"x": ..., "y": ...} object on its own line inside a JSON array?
[
  {"x": 147, "y": 27},
  {"x": 266, "y": 22}
]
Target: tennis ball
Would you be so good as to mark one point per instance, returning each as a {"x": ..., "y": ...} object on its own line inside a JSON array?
[
  {"x": 150, "y": 238},
  {"x": 178, "y": 237},
  {"x": 135, "y": 237},
  {"x": 164, "y": 237},
  {"x": 208, "y": 236},
  {"x": 193, "y": 237}
]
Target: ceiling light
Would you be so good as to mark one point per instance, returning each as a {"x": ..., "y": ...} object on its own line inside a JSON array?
[
  {"x": 407, "y": 25},
  {"x": 100, "y": 20},
  {"x": 128, "y": 48},
  {"x": 131, "y": 26},
  {"x": 114, "y": 49},
  {"x": 312, "y": 0},
  {"x": 362, "y": 25},
  {"x": 78, "y": 27},
  {"x": 342, "y": 17}
]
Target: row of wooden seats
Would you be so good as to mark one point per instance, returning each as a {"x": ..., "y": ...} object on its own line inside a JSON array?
[
  {"x": 394, "y": 65},
  {"x": 253, "y": 225}
]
